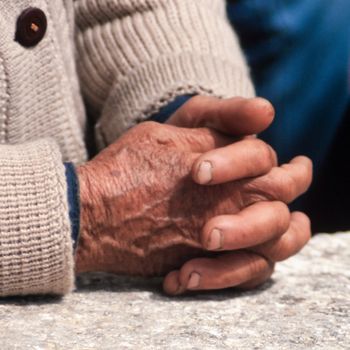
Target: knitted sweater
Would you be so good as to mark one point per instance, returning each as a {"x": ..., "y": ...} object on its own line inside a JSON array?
[{"x": 127, "y": 59}]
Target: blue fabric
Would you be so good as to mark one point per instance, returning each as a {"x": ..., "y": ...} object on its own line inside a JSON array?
[
  {"x": 299, "y": 55},
  {"x": 165, "y": 112},
  {"x": 73, "y": 201}
]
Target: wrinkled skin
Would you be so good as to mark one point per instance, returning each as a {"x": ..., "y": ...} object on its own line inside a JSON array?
[{"x": 142, "y": 213}]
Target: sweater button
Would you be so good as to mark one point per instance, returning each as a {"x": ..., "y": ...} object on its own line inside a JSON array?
[{"x": 31, "y": 27}]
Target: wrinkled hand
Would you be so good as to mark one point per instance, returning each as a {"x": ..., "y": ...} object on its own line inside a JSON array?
[{"x": 142, "y": 213}]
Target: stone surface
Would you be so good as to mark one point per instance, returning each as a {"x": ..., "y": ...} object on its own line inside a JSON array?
[{"x": 305, "y": 306}]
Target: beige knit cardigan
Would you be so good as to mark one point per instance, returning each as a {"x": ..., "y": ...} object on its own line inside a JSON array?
[{"x": 127, "y": 58}]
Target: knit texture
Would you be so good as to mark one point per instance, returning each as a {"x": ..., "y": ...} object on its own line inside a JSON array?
[
  {"x": 39, "y": 88},
  {"x": 134, "y": 57},
  {"x": 41, "y": 125},
  {"x": 35, "y": 245},
  {"x": 137, "y": 56}
]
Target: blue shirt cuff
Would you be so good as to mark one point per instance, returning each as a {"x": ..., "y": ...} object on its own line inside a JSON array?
[
  {"x": 165, "y": 112},
  {"x": 73, "y": 201}
]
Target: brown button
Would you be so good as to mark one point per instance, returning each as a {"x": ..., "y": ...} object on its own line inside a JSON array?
[{"x": 31, "y": 27}]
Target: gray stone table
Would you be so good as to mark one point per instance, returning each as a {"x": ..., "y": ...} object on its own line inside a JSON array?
[{"x": 305, "y": 306}]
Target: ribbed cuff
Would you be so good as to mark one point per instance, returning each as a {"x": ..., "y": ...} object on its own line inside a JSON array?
[
  {"x": 152, "y": 86},
  {"x": 36, "y": 254}
]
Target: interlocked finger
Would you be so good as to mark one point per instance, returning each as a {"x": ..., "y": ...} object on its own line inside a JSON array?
[
  {"x": 258, "y": 223},
  {"x": 242, "y": 159},
  {"x": 290, "y": 243},
  {"x": 284, "y": 183},
  {"x": 235, "y": 116},
  {"x": 224, "y": 271},
  {"x": 256, "y": 282}
]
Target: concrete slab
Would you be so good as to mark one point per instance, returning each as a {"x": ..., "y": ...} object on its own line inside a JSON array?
[{"x": 305, "y": 306}]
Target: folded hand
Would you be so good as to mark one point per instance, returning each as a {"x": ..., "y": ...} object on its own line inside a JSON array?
[{"x": 147, "y": 209}]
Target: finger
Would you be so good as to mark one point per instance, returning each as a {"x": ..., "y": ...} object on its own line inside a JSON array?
[
  {"x": 284, "y": 183},
  {"x": 300, "y": 170},
  {"x": 256, "y": 282},
  {"x": 246, "y": 158},
  {"x": 235, "y": 116},
  {"x": 171, "y": 283},
  {"x": 256, "y": 224},
  {"x": 289, "y": 244},
  {"x": 225, "y": 271}
]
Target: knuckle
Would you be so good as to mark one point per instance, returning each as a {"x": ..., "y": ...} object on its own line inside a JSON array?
[
  {"x": 264, "y": 153},
  {"x": 191, "y": 106},
  {"x": 303, "y": 218},
  {"x": 253, "y": 192},
  {"x": 286, "y": 187},
  {"x": 161, "y": 134},
  {"x": 276, "y": 251},
  {"x": 273, "y": 156},
  {"x": 292, "y": 241},
  {"x": 148, "y": 127},
  {"x": 278, "y": 255},
  {"x": 280, "y": 211},
  {"x": 302, "y": 228},
  {"x": 278, "y": 185},
  {"x": 287, "y": 248},
  {"x": 256, "y": 265}
]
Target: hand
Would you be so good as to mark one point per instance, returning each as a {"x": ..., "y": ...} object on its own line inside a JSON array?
[
  {"x": 236, "y": 116},
  {"x": 142, "y": 214}
]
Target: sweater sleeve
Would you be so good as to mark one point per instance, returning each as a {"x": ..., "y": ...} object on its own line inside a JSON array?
[
  {"x": 36, "y": 254},
  {"x": 135, "y": 57}
]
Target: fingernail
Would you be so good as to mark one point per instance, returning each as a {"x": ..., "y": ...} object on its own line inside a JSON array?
[
  {"x": 193, "y": 282},
  {"x": 215, "y": 240},
  {"x": 204, "y": 174}
]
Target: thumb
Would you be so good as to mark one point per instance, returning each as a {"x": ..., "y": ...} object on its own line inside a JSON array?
[{"x": 236, "y": 116}]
